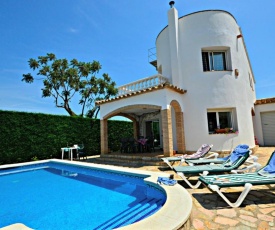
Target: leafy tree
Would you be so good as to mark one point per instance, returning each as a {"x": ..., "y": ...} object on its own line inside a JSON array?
[{"x": 63, "y": 79}]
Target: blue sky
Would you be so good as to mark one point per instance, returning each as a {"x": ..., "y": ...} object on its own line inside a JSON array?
[{"x": 118, "y": 34}]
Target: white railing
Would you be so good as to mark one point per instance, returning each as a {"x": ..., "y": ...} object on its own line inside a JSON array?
[{"x": 144, "y": 83}]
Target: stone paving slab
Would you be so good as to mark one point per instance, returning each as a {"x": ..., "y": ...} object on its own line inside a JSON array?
[{"x": 211, "y": 212}]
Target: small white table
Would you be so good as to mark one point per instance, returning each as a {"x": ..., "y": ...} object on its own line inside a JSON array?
[{"x": 70, "y": 149}]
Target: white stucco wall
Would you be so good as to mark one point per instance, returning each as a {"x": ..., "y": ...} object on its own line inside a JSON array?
[
  {"x": 258, "y": 129},
  {"x": 163, "y": 55},
  {"x": 160, "y": 98},
  {"x": 213, "y": 89}
]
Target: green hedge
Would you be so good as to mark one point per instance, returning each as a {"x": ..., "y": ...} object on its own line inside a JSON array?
[{"x": 34, "y": 136}]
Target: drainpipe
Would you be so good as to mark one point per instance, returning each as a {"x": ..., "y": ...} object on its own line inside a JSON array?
[{"x": 173, "y": 42}]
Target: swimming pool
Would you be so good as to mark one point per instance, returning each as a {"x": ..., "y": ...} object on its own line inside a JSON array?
[{"x": 54, "y": 195}]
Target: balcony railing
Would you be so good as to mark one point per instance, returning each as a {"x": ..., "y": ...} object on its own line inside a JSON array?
[
  {"x": 152, "y": 57},
  {"x": 144, "y": 83}
]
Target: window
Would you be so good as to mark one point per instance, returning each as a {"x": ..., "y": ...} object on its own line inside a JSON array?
[
  {"x": 214, "y": 60},
  {"x": 220, "y": 120}
]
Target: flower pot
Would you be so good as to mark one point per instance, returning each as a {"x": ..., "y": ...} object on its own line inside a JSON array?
[{"x": 220, "y": 130}]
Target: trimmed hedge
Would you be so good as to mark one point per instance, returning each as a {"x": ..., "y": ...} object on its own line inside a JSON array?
[{"x": 35, "y": 136}]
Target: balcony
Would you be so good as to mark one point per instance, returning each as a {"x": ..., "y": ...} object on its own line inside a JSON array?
[{"x": 142, "y": 84}]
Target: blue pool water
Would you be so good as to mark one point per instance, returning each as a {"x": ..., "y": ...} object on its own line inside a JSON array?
[{"x": 60, "y": 196}]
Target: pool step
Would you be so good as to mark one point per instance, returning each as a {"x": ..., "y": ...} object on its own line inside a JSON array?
[
  {"x": 19, "y": 170},
  {"x": 133, "y": 214},
  {"x": 131, "y": 160}
]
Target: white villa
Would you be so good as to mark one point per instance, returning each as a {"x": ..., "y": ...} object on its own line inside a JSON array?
[{"x": 203, "y": 91}]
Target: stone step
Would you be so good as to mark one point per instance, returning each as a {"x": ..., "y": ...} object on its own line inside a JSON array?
[{"x": 125, "y": 160}]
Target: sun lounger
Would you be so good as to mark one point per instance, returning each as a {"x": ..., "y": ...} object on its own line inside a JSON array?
[
  {"x": 237, "y": 158},
  {"x": 264, "y": 176},
  {"x": 202, "y": 151},
  {"x": 203, "y": 161},
  {"x": 192, "y": 162}
]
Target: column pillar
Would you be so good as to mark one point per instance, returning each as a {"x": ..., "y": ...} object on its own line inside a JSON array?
[
  {"x": 135, "y": 129},
  {"x": 180, "y": 132},
  {"x": 104, "y": 136},
  {"x": 167, "y": 132}
]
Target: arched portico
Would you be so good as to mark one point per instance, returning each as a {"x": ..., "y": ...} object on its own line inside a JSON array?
[
  {"x": 160, "y": 99},
  {"x": 132, "y": 112}
]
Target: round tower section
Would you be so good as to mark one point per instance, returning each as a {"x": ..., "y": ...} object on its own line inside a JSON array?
[{"x": 214, "y": 68}]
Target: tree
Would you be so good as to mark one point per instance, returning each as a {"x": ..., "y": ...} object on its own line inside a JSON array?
[{"x": 63, "y": 80}]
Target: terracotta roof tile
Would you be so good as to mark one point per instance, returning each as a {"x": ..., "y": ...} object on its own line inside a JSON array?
[
  {"x": 147, "y": 90},
  {"x": 265, "y": 101}
]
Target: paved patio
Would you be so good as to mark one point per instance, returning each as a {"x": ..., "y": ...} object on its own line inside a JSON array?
[{"x": 211, "y": 212}]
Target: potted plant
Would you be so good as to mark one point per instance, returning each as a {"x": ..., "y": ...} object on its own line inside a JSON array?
[
  {"x": 220, "y": 131},
  {"x": 225, "y": 130}
]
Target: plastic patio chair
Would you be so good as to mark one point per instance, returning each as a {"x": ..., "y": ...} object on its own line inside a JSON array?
[
  {"x": 81, "y": 152},
  {"x": 149, "y": 145},
  {"x": 124, "y": 144},
  {"x": 132, "y": 145}
]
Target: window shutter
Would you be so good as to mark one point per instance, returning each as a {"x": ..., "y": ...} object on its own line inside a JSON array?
[
  {"x": 205, "y": 61},
  {"x": 224, "y": 61}
]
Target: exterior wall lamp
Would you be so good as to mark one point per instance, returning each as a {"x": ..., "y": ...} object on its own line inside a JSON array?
[{"x": 236, "y": 72}]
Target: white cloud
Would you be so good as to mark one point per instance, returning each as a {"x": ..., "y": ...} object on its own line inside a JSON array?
[
  {"x": 87, "y": 17},
  {"x": 72, "y": 30}
]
